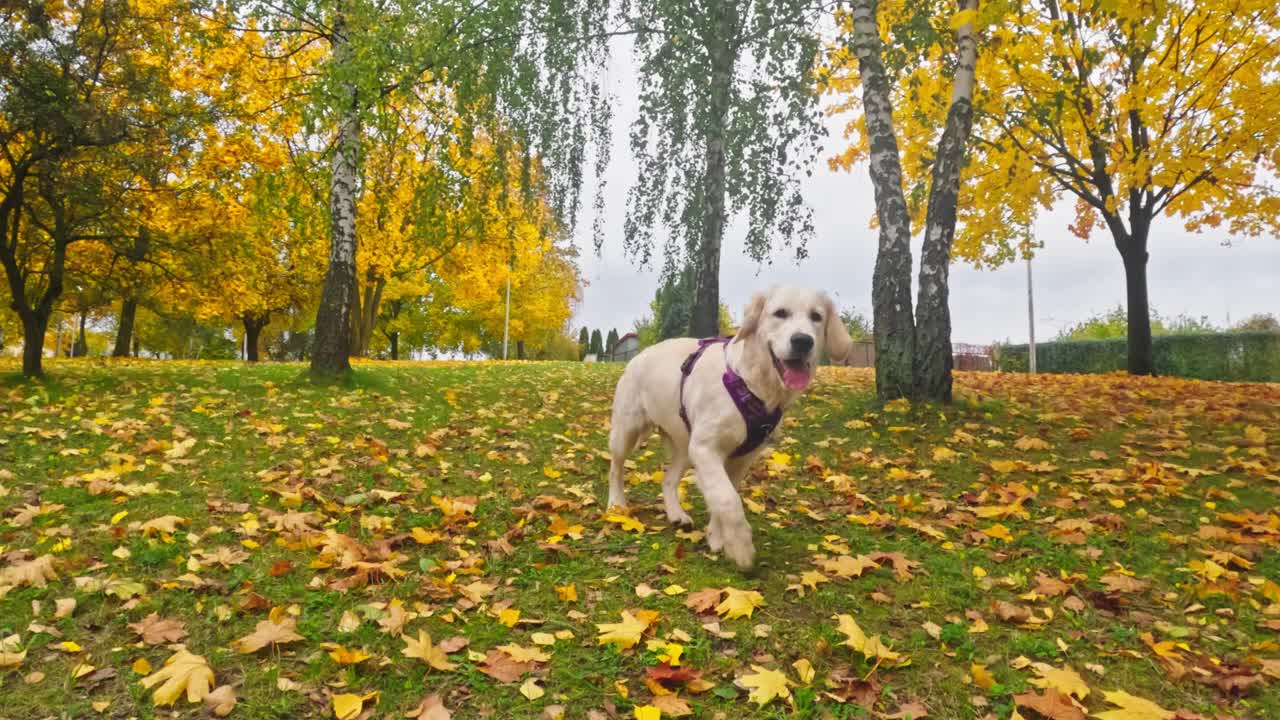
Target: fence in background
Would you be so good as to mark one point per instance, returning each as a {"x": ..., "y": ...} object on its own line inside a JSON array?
[{"x": 966, "y": 356}]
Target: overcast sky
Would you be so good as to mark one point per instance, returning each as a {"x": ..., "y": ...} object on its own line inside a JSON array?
[{"x": 1209, "y": 274}]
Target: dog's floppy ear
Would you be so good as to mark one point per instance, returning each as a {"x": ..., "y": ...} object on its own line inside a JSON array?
[
  {"x": 751, "y": 316},
  {"x": 836, "y": 336}
]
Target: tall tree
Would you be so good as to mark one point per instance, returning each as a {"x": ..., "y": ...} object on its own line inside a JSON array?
[
  {"x": 528, "y": 70},
  {"x": 597, "y": 344},
  {"x": 92, "y": 118},
  {"x": 1132, "y": 110},
  {"x": 913, "y": 354},
  {"x": 584, "y": 342},
  {"x": 729, "y": 121},
  {"x": 610, "y": 340}
]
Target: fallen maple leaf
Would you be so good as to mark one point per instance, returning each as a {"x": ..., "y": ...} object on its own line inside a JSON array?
[
  {"x": 667, "y": 675},
  {"x": 1049, "y": 586},
  {"x": 1064, "y": 679},
  {"x": 847, "y": 567},
  {"x": 345, "y": 656},
  {"x": 155, "y": 630},
  {"x": 1132, "y": 707},
  {"x": 909, "y": 711},
  {"x": 165, "y": 524},
  {"x": 1026, "y": 442},
  {"x": 739, "y": 603},
  {"x": 182, "y": 672},
  {"x": 221, "y": 701},
  {"x": 272, "y": 631},
  {"x": 625, "y": 634},
  {"x": 1050, "y": 703},
  {"x": 10, "y": 655},
  {"x": 422, "y": 649},
  {"x": 1011, "y": 613},
  {"x": 1116, "y": 582},
  {"x": 431, "y": 708},
  {"x": 348, "y": 706},
  {"x": 981, "y": 677},
  {"x": 64, "y": 607},
  {"x": 531, "y": 689},
  {"x": 765, "y": 685},
  {"x": 36, "y": 573},
  {"x": 672, "y": 706},
  {"x": 519, "y": 653},
  {"x": 870, "y": 647},
  {"x": 626, "y": 522},
  {"x": 501, "y": 667},
  {"x": 703, "y": 601}
]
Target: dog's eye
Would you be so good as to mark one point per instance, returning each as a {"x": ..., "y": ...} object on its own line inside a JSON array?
[
  {"x": 815, "y": 316},
  {"x": 781, "y": 313}
]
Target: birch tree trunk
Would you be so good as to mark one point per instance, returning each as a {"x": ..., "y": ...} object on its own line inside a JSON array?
[
  {"x": 891, "y": 281},
  {"x": 933, "y": 354},
  {"x": 332, "y": 351},
  {"x": 704, "y": 318}
]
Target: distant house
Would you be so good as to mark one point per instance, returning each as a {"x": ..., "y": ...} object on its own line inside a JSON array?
[{"x": 626, "y": 348}]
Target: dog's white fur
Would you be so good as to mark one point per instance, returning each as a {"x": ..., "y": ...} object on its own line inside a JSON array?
[{"x": 648, "y": 394}]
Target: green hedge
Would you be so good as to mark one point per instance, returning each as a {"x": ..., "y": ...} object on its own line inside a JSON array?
[{"x": 1237, "y": 356}]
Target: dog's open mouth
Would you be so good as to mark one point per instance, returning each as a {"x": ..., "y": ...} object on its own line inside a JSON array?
[{"x": 795, "y": 372}]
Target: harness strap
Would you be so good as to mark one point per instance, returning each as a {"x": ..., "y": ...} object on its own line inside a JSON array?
[
  {"x": 687, "y": 367},
  {"x": 760, "y": 421}
]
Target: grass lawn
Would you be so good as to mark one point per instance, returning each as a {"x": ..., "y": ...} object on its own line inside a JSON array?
[{"x": 1045, "y": 538}]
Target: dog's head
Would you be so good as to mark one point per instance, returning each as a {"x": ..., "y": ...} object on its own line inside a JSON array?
[{"x": 795, "y": 325}]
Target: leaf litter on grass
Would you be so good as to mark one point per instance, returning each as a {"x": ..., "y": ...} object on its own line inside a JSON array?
[{"x": 1065, "y": 546}]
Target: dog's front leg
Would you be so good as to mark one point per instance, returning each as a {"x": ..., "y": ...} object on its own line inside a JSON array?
[{"x": 728, "y": 529}]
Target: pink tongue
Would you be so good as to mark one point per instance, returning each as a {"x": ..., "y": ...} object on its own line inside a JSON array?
[{"x": 795, "y": 378}]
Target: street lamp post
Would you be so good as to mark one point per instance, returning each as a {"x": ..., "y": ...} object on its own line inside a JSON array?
[{"x": 1031, "y": 320}]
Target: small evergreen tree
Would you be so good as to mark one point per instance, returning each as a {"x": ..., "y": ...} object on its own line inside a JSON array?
[{"x": 597, "y": 343}]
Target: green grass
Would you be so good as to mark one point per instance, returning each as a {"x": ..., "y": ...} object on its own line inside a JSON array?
[{"x": 525, "y": 443}]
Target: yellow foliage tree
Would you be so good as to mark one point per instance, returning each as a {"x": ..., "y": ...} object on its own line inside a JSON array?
[{"x": 1134, "y": 110}]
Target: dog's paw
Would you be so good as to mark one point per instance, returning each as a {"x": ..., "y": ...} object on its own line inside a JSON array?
[
  {"x": 677, "y": 516},
  {"x": 714, "y": 541},
  {"x": 737, "y": 544},
  {"x": 617, "y": 501}
]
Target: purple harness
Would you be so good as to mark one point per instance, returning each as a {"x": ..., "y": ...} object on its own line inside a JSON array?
[{"x": 760, "y": 421}]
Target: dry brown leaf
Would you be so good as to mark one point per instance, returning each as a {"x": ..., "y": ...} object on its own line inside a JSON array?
[
  {"x": 36, "y": 573},
  {"x": 268, "y": 632},
  {"x": 671, "y": 705},
  {"x": 501, "y": 667},
  {"x": 221, "y": 701},
  {"x": 431, "y": 708},
  {"x": 1115, "y": 582},
  {"x": 908, "y": 711},
  {"x": 1051, "y": 704},
  {"x": 155, "y": 630},
  {"x": 1011, "y": 613},
  {"x": 703, "y": 601}
]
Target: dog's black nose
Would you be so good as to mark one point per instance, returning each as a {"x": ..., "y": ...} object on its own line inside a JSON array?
[{"x": 801, "y": 343}]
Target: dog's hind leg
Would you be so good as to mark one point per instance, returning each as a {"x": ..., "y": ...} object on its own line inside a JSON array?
[
  {"x": 628, "y": 425},
  {"x": 679, "y": 455}
]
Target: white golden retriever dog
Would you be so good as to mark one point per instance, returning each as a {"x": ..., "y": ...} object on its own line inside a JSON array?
[{"x": 715, "y": 402}]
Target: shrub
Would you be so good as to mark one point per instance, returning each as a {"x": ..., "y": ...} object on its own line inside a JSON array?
[{"x": 1236, "y": 356}]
